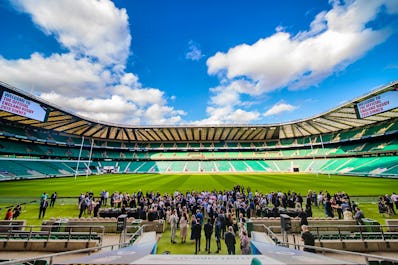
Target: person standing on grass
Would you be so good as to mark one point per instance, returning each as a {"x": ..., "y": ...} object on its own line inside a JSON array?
[
  {"x": 97, "y": 207},
  {"x": 83, "y": 206},
  {"x": 184, "y": 227},
  {"x": 394, "y": 198},
  {"x": 218, "y": 234},
  {"x": 17, "y": 211},
  {"x": 173, "y": 225},
  {"x": 303, "y": 217},
  {"x": 43, "y": 208},
  {"x": 208, "y": 232},
  {"x": 43, "y": 196},
  {"x": 230, "y": 241},
  {"x": 244, "y": 243},
  {"x": 197, "y": 233},
  {"x": 9, "y": 214},
  {"x": 53, "y": 199}
]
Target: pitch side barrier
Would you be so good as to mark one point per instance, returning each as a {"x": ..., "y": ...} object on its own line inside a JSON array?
[
  {"x": 28, "y": 238},
  {"x": 50, "y": 259},
  {"x": 369, "y": 259},
  {"x": 268, "y": 237}
]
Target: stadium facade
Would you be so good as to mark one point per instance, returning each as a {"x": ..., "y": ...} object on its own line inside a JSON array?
[{"x": 39, "y": 139}]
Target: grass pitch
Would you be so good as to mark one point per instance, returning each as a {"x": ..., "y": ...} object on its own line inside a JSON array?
[{"x": 71, "y": 187}]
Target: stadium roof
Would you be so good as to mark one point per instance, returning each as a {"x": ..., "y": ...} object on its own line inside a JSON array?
[{"x": 340, "y": 118}]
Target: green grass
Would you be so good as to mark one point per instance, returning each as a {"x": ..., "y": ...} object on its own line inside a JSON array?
[
  {"x": 69, "y": 187},
  {"x": 28, "y": 191}
]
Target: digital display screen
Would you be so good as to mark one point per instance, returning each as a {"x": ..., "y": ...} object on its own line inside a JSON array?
[
  {"x": 21, "y": 106},
  {"x": 377, "y": 104}
]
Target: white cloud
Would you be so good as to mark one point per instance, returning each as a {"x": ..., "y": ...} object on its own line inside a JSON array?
[
  {"x": 279, "y": 108},
  {"x": 114, "y": 109},
  {"x": 335, "y": 39},
  {"x": 89, "y": 79},
  {"x": 141, "y": 96},
  {"x": 91, "y": 27},
  {"x": 156, "y": 114},
  {"x": 226, "y": 106},
  {"x": 228, "y": 115},
  {"x": 58, "y": 72},
  {"x": 194, "y": 52}
]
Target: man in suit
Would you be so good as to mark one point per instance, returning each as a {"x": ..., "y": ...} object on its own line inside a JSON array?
[
  {"x": 43, "y": 207},
  {"x": 218, "y": 234},
  {"x": 53, "y": 199},
  {"x": 197, "y": 232},
  {"x": 230, "y": 241},
  {"x": 208, "y": 232}
]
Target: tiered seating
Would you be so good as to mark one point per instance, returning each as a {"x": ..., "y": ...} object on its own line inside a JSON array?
[
  {"x": 192, "y": 166},
  {"x": 207, "y": 166},
  {"x": 239, "y": 166},
  {"x": 9, "y": 170},
  {"x": 375, "y": 130},
  {"x": 336, "y": 153},
  {"x": 256, "y": 166},
  {"x": 48, "y": 240},
  {"x": 272, "y": 143},
  {"x": 223, "y": 166},
  {"x": 288, "y": 142},
  {"x": 147, "y": 167},
  {"x": 177, "y": 167},
  {"x": 163, "y": 166}
]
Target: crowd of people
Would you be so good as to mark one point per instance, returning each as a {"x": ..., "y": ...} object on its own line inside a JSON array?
[
  {"x": 386, "y": 204},
  {"x": 152, "y": 206},
  {"x": 219, "y": 212},
  {"x": 223, "y": 213}
]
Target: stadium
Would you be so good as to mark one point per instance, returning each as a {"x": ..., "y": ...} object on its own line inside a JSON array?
[
  {"x": 44, "y": 142},
  {"x": 58, "y": 143}
]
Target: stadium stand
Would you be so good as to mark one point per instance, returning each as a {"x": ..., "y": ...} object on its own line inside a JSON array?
[{"x": 64, "y": 144}]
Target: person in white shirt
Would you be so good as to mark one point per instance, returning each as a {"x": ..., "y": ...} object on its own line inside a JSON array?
[
  {"x": 173, "y": 225},
  {"x": 347, "y": 214},
  {"x": 394, "y": 198}
]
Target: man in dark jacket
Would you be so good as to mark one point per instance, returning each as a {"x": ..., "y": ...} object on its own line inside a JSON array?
[
  {"x": 197, "y": 232},
  {"x": 230, "y": 241},
  {"x": 208, "y": 232},
  {"x": 218, "y": 234},
  {"x": 308, "y": 239},
  {"x": 43, "y": 208}
]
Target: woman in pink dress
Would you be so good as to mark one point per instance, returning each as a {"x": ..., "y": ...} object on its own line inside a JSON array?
[{"x": 184, "y": 227}]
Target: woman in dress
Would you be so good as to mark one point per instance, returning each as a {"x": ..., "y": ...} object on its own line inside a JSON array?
[
  {"x": 184, "y": 227},
  {"x": 244, "y": 243}
]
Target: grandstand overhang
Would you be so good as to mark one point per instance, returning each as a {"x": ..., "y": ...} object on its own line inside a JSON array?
[{"x": 343, "y": 117}]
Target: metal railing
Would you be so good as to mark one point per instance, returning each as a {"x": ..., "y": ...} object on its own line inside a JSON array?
[
  {"x": 343, "y": 252},
  {"x": 323, "y": 250},
  {"x": 50, "y": 257},
  {"x": 48, "y": 232}
]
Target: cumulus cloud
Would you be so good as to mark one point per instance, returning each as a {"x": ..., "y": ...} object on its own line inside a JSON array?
[
  {"x": 194, "y": 52},
  {"x": 228, "y": 115},
  {"x": 89, "y": 78},
  {"x": 114, "y": 109},
  {"x": 57, "y": 72},
  {"x": 335, "y": 39},
  {"x": 279, "y": 108},
  {"x": 90, "y": 27},
  {"x": 226, "y": 106}
]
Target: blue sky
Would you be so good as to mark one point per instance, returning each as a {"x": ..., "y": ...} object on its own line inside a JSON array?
[{"x": 198, "y": 62}]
